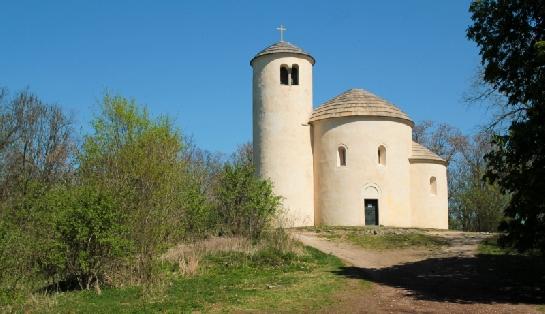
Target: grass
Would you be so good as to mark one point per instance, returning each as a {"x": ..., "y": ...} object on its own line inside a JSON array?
[
  {"x": 490, "y": 247},
  {"x": 381, "y": 238},
  {"x": 226, "y": 281}
]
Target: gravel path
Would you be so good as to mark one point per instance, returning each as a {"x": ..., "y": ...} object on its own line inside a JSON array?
[{"x": 449, "y": 280}]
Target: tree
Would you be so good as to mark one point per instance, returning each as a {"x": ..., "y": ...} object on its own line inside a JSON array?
[
  {"x": 140, "y": 160},
  {"x": 511, "y": 38},
  {"x": 475, "y": 204},
  {"x": 36, "y": 143},
  {"x": 36, "y": 153},
  {"x": 442, "y": 139}
]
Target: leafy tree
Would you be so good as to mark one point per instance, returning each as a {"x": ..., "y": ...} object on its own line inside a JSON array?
[
  {"x": 475, "y": 204},
  {"x": 511, "y": 38},
  {"x": 140, "y": 160},
  {"x": 36, "y": 153},
  {"x": 245, "y": 203}
]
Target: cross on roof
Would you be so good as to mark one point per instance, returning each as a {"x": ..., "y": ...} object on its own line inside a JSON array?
[{"x": 281, "y": 29}]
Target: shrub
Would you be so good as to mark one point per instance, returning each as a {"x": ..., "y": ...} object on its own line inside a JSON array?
[
  {"x": 246, "y": 204},
  {"x": 89, "y": 235}
]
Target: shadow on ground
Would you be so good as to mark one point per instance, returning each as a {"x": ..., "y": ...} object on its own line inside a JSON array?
[{"x": 481, "y": 279}]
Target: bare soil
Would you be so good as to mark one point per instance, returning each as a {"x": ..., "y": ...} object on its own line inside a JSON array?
[{"x": 452, "y": 279}]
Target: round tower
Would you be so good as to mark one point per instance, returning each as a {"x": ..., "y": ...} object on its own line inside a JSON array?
[{"x": 282, "y": 105}]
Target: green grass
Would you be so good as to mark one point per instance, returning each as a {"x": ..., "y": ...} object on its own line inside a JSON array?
[
  {"x": 490, "y": 247},
  {"x": 231, "y": 281},
  {"x": 381, "y": 238}
]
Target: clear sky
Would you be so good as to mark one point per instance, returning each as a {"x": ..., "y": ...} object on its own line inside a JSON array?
[{"x": 190, "y": 59}]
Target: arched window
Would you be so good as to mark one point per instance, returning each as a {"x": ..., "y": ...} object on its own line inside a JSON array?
[
  {"x": 295, "y": 74},
  {"x": 341, "y": 156},
  {"x": 382, "y": 155},
  {"x": 284, "y": 75},
  {"x": 433, "y": 185}
]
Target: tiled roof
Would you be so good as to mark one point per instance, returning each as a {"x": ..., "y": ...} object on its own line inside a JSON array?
[
  {"x": 358, "y": 102},
  {"x": 283, "y": 47},
  {"x": 420, "y": 152}
]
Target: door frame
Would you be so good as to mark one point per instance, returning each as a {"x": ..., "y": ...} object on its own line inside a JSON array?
[{"x": 365, "y": 202}]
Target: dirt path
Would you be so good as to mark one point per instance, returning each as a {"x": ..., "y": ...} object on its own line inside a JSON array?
[{"x": 450, "y": 280}]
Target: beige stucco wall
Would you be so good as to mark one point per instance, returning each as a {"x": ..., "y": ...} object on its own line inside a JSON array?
[
  {"x": 429, "y": 210},
  {"x": 281, "y": 135},
  {"x": 340, "y": 191}
]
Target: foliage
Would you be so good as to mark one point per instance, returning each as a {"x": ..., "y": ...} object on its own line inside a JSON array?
[
  {"x": 511, "y": 36},
  {"x": 15, "y": 268},
  {"x": 36, "y": 153},
  {"x": 139, "y": 159},
  {"x": 35, "y": 143},
  {"x": 102, "y": 215},
  {"x": 478, "y": 206},
  {"x": 474, "y": 204},
  {"x": 245, "y": 203},
  {"x": 90, "y": 235},
  {"x": 490, "y": 246}
]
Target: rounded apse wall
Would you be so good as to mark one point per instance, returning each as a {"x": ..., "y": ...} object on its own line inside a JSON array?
[{"x": 341, "y": 191}]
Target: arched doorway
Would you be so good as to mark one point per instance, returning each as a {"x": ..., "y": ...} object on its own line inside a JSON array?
[{"x": 371, "y": 196}]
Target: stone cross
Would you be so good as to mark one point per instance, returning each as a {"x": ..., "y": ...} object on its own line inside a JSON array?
[{"x": 281, "y": 29}]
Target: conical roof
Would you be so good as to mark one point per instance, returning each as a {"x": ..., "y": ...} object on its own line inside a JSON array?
[
  {"x": 282, "y": 47},
  {"x": 421, "y": 153},
  {"x": 358, "y": 102}
]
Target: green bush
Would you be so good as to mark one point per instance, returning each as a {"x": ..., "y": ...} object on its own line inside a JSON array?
[
  {"x": 104, "y": 213},
  {"x": 14, "y": 265},
  {"x": 25, "y": 236},
  {"x": 246, "y": 204},
  {"x": 139, "y": 159},
  {"x": 89, "y": 235}
]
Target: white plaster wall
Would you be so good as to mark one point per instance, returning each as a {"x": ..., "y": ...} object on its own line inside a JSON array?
[
  {"x": 429, "y": 210},
  {"x": 281, "y": 135},
  {"x": 340, "y": 191}
]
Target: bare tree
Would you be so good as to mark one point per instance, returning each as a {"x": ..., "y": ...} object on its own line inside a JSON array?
[
  {"x": 485, "y": 95},
  {"x": 442, "y": 139},
  {"x": 474, "y": 205},
  {"x": 36, "y": 143}
]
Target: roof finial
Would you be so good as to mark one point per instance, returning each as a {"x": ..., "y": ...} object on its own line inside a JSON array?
[{"x": 281, "y": 29}]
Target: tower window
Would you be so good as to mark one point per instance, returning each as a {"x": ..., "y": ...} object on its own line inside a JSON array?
[
  {"x": 295, "y": 74},
  {"x": 341, "y": 156},
  {"x": 433, "y": 185},
  {"x": 284, "y": 75},
  {"x": 382, "y": 155}
]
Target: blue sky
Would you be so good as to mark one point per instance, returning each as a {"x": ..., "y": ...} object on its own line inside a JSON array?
[{"x": 190, "y": 59}]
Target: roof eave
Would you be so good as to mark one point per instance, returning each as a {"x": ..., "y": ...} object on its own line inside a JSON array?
[
  {"x": 397, "y": 119},
  {"x": 424, "y": 160},
  {"x": 312, "y": 60}
]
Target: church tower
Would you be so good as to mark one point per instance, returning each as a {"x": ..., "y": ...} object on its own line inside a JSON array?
[{"x": 282, "y": 105}]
